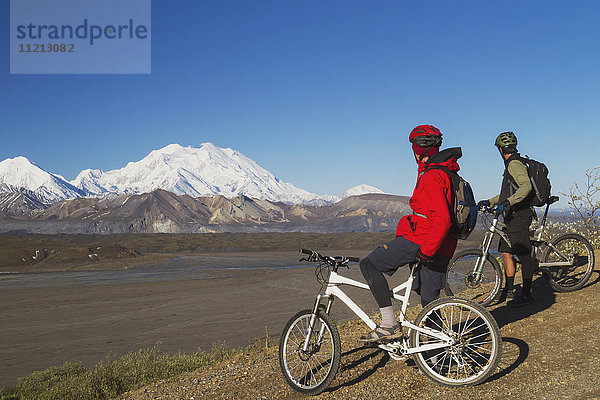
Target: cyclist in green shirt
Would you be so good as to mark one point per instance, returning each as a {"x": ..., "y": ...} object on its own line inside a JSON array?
[{"x": 515, "y": 199}]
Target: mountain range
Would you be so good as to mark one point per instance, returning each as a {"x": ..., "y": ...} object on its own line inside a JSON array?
[
  {"x": 197, "y": 172},
  {"x": 182, "y": 189},
  {"x": 161, "y": 211}
]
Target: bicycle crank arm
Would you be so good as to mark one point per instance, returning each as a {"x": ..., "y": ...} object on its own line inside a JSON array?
[
  {"x": 556, "y": 264},
  {"x": 396, "y": 350}
]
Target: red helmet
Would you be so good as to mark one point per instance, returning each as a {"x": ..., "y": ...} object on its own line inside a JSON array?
[
  {"x": 426, "y": 140},
  {"x": 426, "y": 136}
]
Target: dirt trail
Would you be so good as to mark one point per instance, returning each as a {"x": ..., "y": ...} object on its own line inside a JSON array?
[{"x": 550, "y": 351}]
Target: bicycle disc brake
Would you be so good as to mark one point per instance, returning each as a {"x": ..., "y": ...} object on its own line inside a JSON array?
[{"x": 472, "y": 281}]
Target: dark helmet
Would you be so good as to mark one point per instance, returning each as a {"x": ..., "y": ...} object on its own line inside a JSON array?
[
  {"x": 426, "y": 136},
  {"x": 506, "y": 139}
]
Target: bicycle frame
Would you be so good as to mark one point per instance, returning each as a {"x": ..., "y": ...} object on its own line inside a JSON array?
[
  {"x": 334, "y": 291},
  {"x": 496, "y": 228}
]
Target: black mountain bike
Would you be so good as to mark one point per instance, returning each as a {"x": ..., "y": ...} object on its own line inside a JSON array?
[{"x": 566, "y": 262}]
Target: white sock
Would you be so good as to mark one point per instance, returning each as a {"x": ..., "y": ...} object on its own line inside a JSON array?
[{"x": 387, "y": 317}]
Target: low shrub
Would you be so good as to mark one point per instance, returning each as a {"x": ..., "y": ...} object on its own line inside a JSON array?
[
  {"x": 555, "y": 228},
  {"x": 584, "y": 201},
  {"x": 112, "y": 376}
]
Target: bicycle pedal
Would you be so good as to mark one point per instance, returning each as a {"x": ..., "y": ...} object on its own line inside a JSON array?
[
  {"x": 383, "y": 342},
  {"x": 391, "y": 340},
  {"x": 370, "y": 345}
]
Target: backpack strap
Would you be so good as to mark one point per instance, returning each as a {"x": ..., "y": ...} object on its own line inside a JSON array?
[
  {"x": 429, "y": 168},
  {"x": 511, "y": 180},
  {"x": 451, "y": 174},
  {"x": 513, "y": 183}
]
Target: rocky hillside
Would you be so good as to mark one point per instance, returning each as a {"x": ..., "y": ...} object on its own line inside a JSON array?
[
  {"x": 19, "y": 205},
  {"x": 161, "y": 211}
]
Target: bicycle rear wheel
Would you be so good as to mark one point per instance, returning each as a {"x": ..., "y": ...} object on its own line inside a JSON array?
[
  {"x": 475, "y": 353},
  {"x": 576, "y": 250},
  {"x": 311, "y": 371},
  {"x": 461, "y": 280}
]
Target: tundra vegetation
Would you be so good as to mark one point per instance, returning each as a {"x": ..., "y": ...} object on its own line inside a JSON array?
[{"x": 113, "y": 376}]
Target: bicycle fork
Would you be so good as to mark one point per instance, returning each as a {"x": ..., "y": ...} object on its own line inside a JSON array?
[
  {"x": 313, "y": 319},
  {"x": 485, "y": 248}
]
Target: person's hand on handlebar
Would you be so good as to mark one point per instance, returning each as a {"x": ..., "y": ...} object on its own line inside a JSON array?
[
  {"x": 503, "y": 206},
  {"x": 483, "y": 204}
]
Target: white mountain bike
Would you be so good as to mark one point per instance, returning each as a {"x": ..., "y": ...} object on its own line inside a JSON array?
[{"x": 454, "y": 341}]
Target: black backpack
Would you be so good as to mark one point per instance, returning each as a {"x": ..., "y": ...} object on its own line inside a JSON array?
[
  {"x": 464, "y": 210},
  {"x": 538, "y": 175}
]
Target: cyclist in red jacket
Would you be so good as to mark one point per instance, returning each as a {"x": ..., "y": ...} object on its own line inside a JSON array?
[{"x": 423, "y": 236}]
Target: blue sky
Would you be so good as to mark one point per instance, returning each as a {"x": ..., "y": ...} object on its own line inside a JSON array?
[{"x": 324, "y": 93}]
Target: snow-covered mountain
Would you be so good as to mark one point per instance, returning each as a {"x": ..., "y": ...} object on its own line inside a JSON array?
[
  {"x": 360, "y": 189},
  {"x": 87, "y": 180},
  {"x": 204, "y": 171},
  {"x": 21, "y": 175}
]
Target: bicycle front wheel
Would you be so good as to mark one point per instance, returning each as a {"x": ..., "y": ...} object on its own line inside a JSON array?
[
  {"x": 463, "y": 281},
  {"x": 476, "y": 346},
  {"x": 577, "y": 252},
  {"x": 310, "y": 371}
]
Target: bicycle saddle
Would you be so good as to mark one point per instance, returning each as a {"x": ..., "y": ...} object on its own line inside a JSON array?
[{"x": 552, "y": 199}]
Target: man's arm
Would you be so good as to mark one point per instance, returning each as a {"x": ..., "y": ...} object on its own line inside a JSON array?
[
  {"x": 494, "y": 200},
  {"x": 518, "y": 171}
]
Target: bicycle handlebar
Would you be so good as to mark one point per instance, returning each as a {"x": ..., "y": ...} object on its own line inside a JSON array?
[
  {"x": 314, "y": 256},
  {"x": 495, "y": 210},
  {"x": 492, "y": 210}
]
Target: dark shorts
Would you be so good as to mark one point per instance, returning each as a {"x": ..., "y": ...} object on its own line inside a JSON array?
[
  {"x": 388, "y": 257},
  {"x": 517, "y": 229},
  {"x": 393, "y": 254},
  {"x": 400, "y": 251},
  {"x": 430, "y": 282}
]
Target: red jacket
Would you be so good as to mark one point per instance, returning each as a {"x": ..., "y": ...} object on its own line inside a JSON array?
[{"x": 431, "y": 201}]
